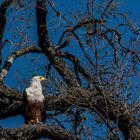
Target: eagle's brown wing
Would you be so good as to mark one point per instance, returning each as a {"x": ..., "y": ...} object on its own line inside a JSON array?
[
  {"x": 26, "y": 108},
  {"x": 44, "y": 112}
]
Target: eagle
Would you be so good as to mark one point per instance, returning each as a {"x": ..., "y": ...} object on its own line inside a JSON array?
[{"x": 34, "y": 101}]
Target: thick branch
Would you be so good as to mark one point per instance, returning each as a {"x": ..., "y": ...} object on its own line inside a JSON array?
[
  {"x": 78, "y": 66},
  {"x": 3, "y": 9},
  {"x": 36, "y": 131},
  {"x": 13, "y": 56},
  {"x": 10, "y": 102},
  {"x": 104, "y": 106},
  {"x": 47, "y": 47}
]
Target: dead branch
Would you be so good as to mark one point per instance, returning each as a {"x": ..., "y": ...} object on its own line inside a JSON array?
[
  {"x": 87, "y": 99},
  {"x": 7, "y": 65},
  {"x": 36, "y": 131},
  {"x": 3, "y": 8},
  {"x": 48, "y": 48}
]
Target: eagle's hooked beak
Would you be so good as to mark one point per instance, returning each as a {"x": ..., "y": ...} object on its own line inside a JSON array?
[{"x": 42, "y": 78}]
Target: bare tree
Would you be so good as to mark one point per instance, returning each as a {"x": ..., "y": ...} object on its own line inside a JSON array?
[{"x": 92, "y": 65}]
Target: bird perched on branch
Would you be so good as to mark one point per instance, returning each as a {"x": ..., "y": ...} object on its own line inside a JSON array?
[{"x": 34, "y": 101}]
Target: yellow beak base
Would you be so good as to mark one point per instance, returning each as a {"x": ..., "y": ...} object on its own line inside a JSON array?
[{"x": 42, "y": 78}]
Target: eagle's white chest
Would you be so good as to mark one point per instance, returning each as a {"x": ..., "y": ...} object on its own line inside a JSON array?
[{"x": 34, "y": 94}]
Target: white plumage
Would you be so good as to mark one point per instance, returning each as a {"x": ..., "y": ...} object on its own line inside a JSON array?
[{"x": 34, "y": 91}]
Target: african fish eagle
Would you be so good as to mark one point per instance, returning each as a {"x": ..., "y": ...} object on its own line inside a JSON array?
[{"x": 34, "y": 101}]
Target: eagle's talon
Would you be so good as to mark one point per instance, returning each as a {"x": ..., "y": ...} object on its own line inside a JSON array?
[
  {"x": 40, "y": 122},
  {"x": 31, "y": 122}
]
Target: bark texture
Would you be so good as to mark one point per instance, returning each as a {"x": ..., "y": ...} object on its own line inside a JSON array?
[
  {"x": 96, "y": 98},
  {"x": 36, "y": 131}
]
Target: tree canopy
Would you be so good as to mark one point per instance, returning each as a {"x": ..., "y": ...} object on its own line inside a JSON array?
[{"x": 88, "y": 51}]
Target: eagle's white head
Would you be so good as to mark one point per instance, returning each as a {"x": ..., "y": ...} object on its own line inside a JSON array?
[
  {"x": 34, "y": 91},
  {"x": 36, "y": 80}
]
